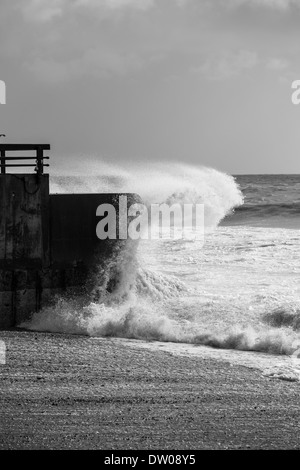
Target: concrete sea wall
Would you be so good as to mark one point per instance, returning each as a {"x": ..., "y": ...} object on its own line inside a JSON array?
[{"x": 48, "y": 243}]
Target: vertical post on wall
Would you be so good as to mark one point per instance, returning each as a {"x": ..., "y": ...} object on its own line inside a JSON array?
[
  {"x": 2, "y": 160},
  {"x": 39, "y": 160}
]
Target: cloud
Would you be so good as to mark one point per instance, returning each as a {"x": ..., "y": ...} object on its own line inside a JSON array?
[
  {"x": 275, "y": 4},
  {"x": 71, "y": 48},
  {"x": 115, "y": 4},
  {"x": 65, "y": 40},
  {"x": 277, "y": 64},
  {"x": 183, "y": 3},
  {"x": 45, "y": 10},
  {"x": 42, "y": 10},
  {"x": 228, "y": 65},
  {"x": 99, "y": 63}
]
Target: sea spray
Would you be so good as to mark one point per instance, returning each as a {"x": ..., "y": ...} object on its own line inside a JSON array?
[
  {"x": 156, "y": 183},
  {"x": 122, "y": 276},
  {"x": 232, "y": 294}
]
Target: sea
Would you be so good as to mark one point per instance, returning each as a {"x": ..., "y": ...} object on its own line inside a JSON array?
[{"x": 234, "y": 296}]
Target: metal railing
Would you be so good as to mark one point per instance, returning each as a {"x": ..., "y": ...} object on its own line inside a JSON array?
[{"x": 39, "y": 157}]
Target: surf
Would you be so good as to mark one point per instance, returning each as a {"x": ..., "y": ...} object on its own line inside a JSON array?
[{"x": 177, "y": 291}]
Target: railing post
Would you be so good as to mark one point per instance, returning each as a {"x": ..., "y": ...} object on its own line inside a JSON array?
[
  {"x": 39, "y": 160},
  {"x": 2, "y": 160}
]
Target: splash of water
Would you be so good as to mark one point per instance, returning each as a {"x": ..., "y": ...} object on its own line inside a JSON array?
[
  {"x": 156, "y": 183},
  {"x": 139, "y": 305}
]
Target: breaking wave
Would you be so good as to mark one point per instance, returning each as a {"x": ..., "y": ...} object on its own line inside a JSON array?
[
  {"x": 146, "y": 303},
  {"x": 144, "y": 317},
  {"x": 158, "y": 183}
]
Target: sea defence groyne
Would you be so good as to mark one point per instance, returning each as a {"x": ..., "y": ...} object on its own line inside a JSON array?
[{"x": 48, "y": 242}]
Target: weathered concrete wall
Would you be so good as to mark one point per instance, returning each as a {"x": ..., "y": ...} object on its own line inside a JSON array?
[
  {"x": 48, "y": 243},
  {"x": 24, "y": 243},
  {"x": 24, "y": 220},
  {"x": 73, "y": 224},
  {"x": 24, "y": 291},
  {"x": 74, "y": 244}
]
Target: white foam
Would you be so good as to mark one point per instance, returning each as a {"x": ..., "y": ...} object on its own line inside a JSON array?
[{"x": 240, "y": 292}]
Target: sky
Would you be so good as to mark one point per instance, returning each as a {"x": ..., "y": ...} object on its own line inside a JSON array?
[{"x": 205, "y": 82}]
